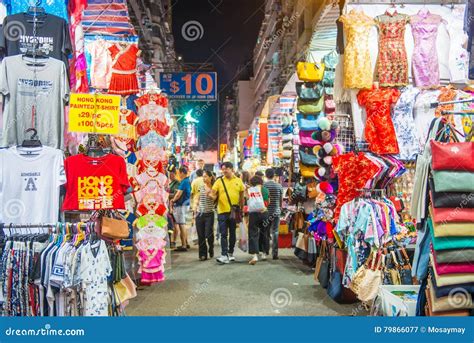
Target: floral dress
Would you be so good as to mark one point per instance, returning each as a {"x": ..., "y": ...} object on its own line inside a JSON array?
[
  {"x": 392, "y": 64},
  {"x": 404, "y": 124},
  {"x": 379, "y": 131},
  {"x": 357, "y": 61}
]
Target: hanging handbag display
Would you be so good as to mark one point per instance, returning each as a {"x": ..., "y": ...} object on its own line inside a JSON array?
[
  {"x": 310, "y": 106},
  {"x": 309, "y": 90},
  {"x": 307, "y": 171},
  {"x": 310, "y": 72},
  {"x": 308, "y": 122},
  {"x": 405, "y": 267},
  {"x": 307, "y": 158},
  {"x": 113, "y": 225},
  {"x": 452, "y": 156},
  {"x": 453, "y": 181},
  {"x": 306, "y": 139}
]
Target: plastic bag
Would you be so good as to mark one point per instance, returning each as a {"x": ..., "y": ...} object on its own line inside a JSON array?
[{"x": 243, "y": 241}]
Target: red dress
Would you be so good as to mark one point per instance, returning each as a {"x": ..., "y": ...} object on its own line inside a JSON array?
[
  {"x": 379, "y": 131},
  {"x": 124, "y": 69}
]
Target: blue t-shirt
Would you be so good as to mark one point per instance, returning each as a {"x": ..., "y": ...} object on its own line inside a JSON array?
[
  {"x": 55, "y": 7},
  {"x": 185, "y": 187}
]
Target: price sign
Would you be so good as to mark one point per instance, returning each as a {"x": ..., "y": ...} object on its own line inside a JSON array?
[
  {"x": 91, "y": 113},
  {"x": 189, "y": 86}
]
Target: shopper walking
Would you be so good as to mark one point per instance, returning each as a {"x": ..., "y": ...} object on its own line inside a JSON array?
[
  {"x": 257, "y": 201},
  {"x": 172, "y": 189},
  {"x": 199, "y": 165},
  {"x": 229, "y": 191},
  {"x": 205, "y": 217},
  {"x": 195, "y": 187},
  {"x": 181, "y": 202},
  {"x": 274, "y": 208}
]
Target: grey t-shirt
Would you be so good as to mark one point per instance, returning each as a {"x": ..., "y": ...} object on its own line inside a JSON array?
[{"x": 17, "y": 84}]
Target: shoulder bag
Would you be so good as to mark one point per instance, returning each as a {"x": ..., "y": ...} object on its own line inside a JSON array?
[
  {"x": 452, "y": 156},
  {"x": 310, "y": 106},
  {"x": 113, "y": 226},
  {"x": 307, "y": 158},
  {"x": 405, "y": 267},
  {"x": 235, "y": 211},
  {"x": 309, "y": 90}
]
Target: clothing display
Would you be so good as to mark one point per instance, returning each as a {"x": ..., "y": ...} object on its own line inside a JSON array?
[
  {"x": 357, "y": 60},
  {"x": 29, "y": 184},
  {"x": 101, "y": 64},
  {"x": 392, "y": 67}
]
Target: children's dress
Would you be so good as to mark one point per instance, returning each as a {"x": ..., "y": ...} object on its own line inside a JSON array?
[{"x": 124, "y": 69}]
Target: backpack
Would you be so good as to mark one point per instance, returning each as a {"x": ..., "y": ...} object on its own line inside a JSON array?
[{"x": 255, "y": 201}]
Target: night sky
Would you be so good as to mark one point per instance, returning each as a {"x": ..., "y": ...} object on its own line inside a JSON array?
[{"x": 230, "y": 29}]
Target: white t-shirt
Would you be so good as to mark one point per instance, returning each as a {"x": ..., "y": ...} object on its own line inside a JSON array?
[{"x": 29, "y": 185}]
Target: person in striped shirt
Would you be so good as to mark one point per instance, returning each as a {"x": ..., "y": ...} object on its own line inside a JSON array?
[
  {"x": 205, "y": 217},
  {"x": 274, "y": 208}
]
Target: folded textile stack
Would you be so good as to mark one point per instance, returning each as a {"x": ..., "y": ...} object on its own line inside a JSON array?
[{"x": 451, "y": 223}]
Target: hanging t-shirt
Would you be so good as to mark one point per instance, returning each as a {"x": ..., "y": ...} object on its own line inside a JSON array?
[
  {"x": 19, "y": 85},
  {"x": 95, "y": 183},
  {"x": 52, "y": 34},
  {"x": 29, "y": 185},
  {"x": 56, "y": 7}
]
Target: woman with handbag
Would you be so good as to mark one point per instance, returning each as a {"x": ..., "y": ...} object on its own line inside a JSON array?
[
  {"x": 257, "y": 201},
  {"x": 205, "y": 217}
]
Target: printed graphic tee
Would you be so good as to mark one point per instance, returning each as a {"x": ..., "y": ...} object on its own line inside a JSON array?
[
  {"x": 29, "y": 185},
  {"x": 50, "y": 88},
  {"x": 51, "y": 31},
  {"x": 95, "y": 183}
]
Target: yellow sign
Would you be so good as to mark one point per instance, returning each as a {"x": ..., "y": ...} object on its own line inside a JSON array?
[
  {"x": 94, "y": 113},
  {"x": 223, "y": 150}
]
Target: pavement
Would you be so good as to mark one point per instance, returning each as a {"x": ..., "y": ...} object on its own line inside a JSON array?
[{"x": 283, "y": 287}]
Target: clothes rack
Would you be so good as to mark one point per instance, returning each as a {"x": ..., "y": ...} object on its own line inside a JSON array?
[{"x": 438, "y": 103}]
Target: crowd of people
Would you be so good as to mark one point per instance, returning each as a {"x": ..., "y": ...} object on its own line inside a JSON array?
[{"x": 253, "y": 201}]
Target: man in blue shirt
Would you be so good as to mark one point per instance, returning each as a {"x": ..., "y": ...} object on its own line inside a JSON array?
[{"x": 180, "y": 204}]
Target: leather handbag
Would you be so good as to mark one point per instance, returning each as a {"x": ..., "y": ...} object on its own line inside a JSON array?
[
  {"x": 299, "y": 220},
  {"x": 298, "y": 194},
  {"x": 306, "y": 139},
  {"x": 405, "y": 267},
  {"x": 452, "y": 156},
  {"x": 312, "y": 190},
  {"x": 320, "y": 259},
  {"x": 323, "y": 274},
  {"x": 394, "y": 271},
  {"x": 113, "y": 226},
  {"x": 309, "y": 90},
  {"x": 310, "y": 106},
  {"x": 307, "y": 158},
  {"x": 453, "y": 181},
  {"x": 450, "y": 199},
  {"x": 310, "y": 72},
  {"x": 307, "y": 171}
]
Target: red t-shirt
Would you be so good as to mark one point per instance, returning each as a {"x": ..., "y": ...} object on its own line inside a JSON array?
[{"x": 95, "y": 183}]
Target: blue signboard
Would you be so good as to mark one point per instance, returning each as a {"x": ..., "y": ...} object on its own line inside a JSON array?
[{"x": 189, "y": 86}]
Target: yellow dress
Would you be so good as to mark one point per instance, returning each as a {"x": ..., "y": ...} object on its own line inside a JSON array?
[{"x": 358, "y": 71}]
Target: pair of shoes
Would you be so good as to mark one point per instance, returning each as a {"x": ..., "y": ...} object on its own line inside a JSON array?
[
  {"x": 172, "y": 245},
  {"x": 263, "y": 257},
  {"x": 231, "y": 258},
  {"x": 275, "y": 257},
  {"x": 223, "y": 260},
  {"x": 181, "y": 249},
  {"x": 254, "y": 260},
  {"x": 188, "y": 246},
  {"x": 211, "y": 254},
  {"x": 202, "y": 258}
]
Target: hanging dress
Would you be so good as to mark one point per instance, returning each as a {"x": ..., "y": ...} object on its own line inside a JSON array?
[
  {"x": 392, "y": 64},
  {"x": 357, "y": 62},
  {"x": 424, "y": 26},
  {"x": 124, "y": 69}
]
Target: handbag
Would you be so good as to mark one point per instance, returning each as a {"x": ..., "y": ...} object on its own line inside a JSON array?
[
  {"x": 370, "y": 282},
  {"x": 450, "y": 199},
  {"x": 298, "y": 195},
  {"x": 323, "y": 274},
  {"x": 307, "y": 171},
  {"x": 335, "y": 280},
  {"x": 310, "y": 106},
  {"x": 312, "y": 190},
  {"x": 125, "y": 289},
  {"x": 113, "y": 226},
  {"x": 360, "y": 273},
  {"x": 310, "y": 72},
  {"x": 309, "y": 90},
  {"x": 394, "y": 273},
  {"x": 235, "y": 211},
  {"x": 320, "y": 259},
  {"x": 299, "y": 220},
  {"x": 306, "y": 139},
  {"x": 307, "y": 158},
  {"x": 308, "y": 122},
  {"x": 405, "y": 267},
  {"x": 329, "y": 105},
  {"x": 453, "y": 181},
  {"x": 452, "y": 156}
]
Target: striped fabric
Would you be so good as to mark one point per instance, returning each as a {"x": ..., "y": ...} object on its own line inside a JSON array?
[
  {"x": 108, "y": 17},
  {"x": 274, "y": 131}
]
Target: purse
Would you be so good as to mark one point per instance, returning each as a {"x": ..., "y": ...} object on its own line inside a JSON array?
[
  {"x": 307, "y": 158},
  {"x": 298, "y": 195},
  {"x": 453, "y": 181},
  {"x": 320, "y": 259},
  {"x": 405, "y": 267},
  {"x": 113, "y": 227},
  {"x": 310, "y": 106},
  {"x": 308, "y": 122},
  {"x": 360, "y": 274},
  {"x": 235, "y": 211},
  {"x": 370, "y": 282},
  {"x": 310, "y": 72},
  {"x": 309, "y": 90},
  {"x": 323, "y": 274},
  {"x": 306, "y": 139},
  {"x": 329, "y": 105},
  {"x": 452, "y": 156},
  {"x": 125, "y": 290},
  {"x": 312, "y": 190},
  {"x": 307, "y": 171},
  {"x": 450, "y": 199},
  {"x": 299, "y": 220},
  {"x": 394, "y": 273}
]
